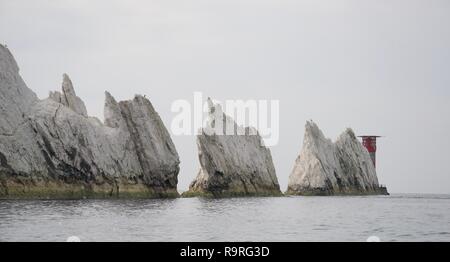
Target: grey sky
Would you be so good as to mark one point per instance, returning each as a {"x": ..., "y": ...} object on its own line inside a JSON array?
[{"x": 378, "y": 66}]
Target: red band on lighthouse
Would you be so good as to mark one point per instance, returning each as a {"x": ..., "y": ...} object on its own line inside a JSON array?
[{"x": 370, "y": 143}]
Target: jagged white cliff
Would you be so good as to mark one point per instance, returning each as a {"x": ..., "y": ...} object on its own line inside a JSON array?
[
  {"x": 327, "y": 168},
  {"x": 51, "y": 148},
  {"x": 232, "y": 164}
]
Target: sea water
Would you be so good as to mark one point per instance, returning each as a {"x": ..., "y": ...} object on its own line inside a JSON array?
[{"x": 398, "y": 217}]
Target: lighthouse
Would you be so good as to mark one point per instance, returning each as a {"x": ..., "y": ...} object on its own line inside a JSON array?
[{"x": 370, "y": 142}]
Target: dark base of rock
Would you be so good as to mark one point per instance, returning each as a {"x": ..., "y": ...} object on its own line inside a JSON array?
[
  {"x": 328, "y": 192},
  {"x": 21, "y": 187},
  {"x": 192, "y": 194}
]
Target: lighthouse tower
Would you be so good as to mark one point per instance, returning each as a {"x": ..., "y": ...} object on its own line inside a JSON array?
[{"x": 370, "y": 142}]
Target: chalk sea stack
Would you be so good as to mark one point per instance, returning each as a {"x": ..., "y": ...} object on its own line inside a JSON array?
[
  {"x": 51, "y": 148},
  {"x": 340, "y": 168},
  {"x": 236, "y": 164}
]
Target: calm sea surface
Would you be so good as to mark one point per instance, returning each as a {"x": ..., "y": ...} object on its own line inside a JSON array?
[{"x": 394, "y": 218}]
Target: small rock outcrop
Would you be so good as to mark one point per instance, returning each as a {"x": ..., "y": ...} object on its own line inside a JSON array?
[
  {"x": 51, "y": 148},
  {"x": 327, "y": 168},
  {"x": 233, "y": 163},
  {"x": 68, "y": 97}
]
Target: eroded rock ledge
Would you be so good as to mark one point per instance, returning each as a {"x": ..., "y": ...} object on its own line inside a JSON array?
[
  {"x": 232, "y": 165},
  {"x": 51, "y": 148},
  {"x": 327, "y": 168}
]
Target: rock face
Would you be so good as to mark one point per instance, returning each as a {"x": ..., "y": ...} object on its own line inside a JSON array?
[
  {"x": 232, "y": 165},
  {"x": 68, "y": 97},
  {"x": 327, "y": 168},
  {"x": 51, "y": 148}
]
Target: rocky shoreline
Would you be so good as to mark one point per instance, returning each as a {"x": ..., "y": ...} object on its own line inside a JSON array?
[{"x": 53, "y": 149}]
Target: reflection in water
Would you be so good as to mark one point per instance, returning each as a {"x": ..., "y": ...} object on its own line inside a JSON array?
[{"x": 395, "y": 218}]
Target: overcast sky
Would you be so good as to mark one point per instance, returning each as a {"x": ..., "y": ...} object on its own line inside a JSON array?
[{"x": 378, "y": 66}]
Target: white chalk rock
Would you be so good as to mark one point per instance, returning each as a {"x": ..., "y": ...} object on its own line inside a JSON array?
[
  {"x": 68, "y": 97},
  {"x": 15, "y": 98},
  {"x": 51, "y": 148},
  {"x": 232, "y": 164},
  {"x": 327, "y": 168}
]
